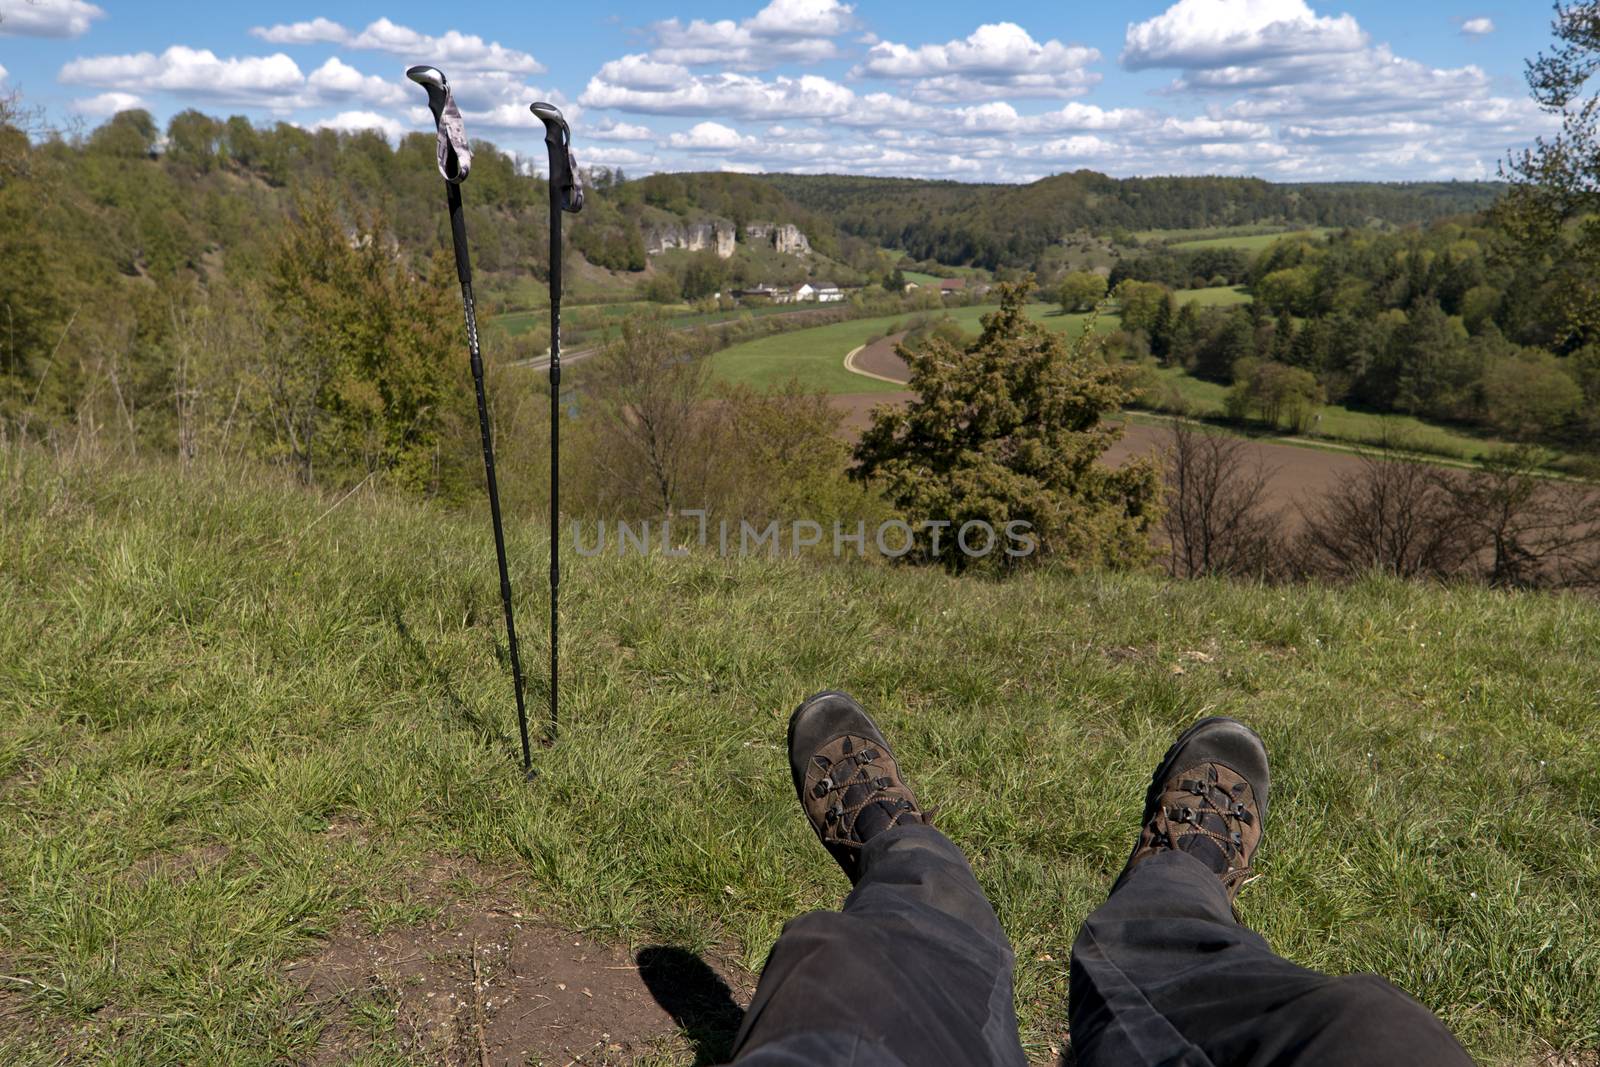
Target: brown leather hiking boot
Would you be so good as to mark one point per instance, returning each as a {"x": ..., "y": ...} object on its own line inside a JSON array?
[
  {"x": 847, "y": 779},
  {"x": 1208, "y": 798}
]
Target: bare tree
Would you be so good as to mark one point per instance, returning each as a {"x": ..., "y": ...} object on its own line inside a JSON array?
[
  {"x": 1394, "y": 514},
  {"x": 1530, "y": 530},
  {"x": 651, "y": 387},
  {"x": 1216, "y": 519}
]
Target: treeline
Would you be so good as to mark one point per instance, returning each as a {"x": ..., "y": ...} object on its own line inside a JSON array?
[
  {"x": 221, "y": 289},
  {"x": 996, "y": 226},
  {"x": 1503, "y": 522},
  {"x": 1452, "y": 322}
]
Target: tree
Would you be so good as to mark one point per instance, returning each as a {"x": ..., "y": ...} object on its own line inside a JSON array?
[
  {"x": 193, "y": 139},
  {"x": 1530, "y": 395},
  {"x": 1081, "y": 290},
  {"x": 353, "y": 374},
  {"x": 1009, "y": 429},
  {"x": 1432, "y": 363},
  {"x": 662, "y": 288},
  {"x": 1216, "y": 518},
  {"x": 127, "y": 134},
  {"x": 1552, "y": 209},
  {"x": 1290, "y": 290},
  {"x": 1532, "y": 531},
  {"x": 1140, "y": 303},
  {"x": 1280, "y": 395},
  {"x": 650, "y": 385},
  {"x": 1392, "y": 514},
  {"x": 704, "y": 273}
]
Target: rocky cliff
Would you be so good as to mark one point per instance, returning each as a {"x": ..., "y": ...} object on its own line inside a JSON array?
[
  {"x": 693, "y": 236},
  {"x": 785, "y": 237}
]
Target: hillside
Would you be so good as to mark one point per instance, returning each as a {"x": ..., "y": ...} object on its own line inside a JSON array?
[
  {"x": 128, "y": 200},
  {"x": 1010, "y": 225},
  {"x": 286, "y": 723}
]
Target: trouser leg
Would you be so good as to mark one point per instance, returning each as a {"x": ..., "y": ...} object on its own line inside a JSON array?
[
  {"x": 914, "y": 970},
  {"x": 1162, "y": 973}
]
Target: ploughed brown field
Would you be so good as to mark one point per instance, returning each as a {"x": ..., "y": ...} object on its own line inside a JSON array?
[{"x": 1294, "y": 474}]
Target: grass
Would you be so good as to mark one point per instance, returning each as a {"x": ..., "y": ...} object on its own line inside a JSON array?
[
  {"x": 816, "y": 356},
  {"x": 516, "y": 323},
  {"x": 1214, "y": 296},
  {"x": 1254, "y": 242},
  {"x": 217, "y": 665},
  {"x": 1337, "y": 423}
]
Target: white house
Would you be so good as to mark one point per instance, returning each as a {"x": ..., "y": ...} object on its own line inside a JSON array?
[{"x": 828, "y": 293}]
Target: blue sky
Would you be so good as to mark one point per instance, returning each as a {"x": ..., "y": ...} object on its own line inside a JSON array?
[{"x": 1283, "y": 89}]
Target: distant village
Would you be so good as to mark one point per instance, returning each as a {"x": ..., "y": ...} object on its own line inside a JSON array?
[{"x": 830, "y": 292}]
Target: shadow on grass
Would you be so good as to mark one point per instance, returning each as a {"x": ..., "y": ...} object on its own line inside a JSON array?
[
  {"x": 696, "y": 997},
  {"x": 489, "y": 732}
]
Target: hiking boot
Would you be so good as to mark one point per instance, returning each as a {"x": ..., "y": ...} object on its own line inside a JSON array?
[
  {"x": 849, "y": 784},
  {"x": 1208, "y": 798}
]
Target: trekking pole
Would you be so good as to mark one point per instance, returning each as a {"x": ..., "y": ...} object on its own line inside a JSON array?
[
  {"x": 455, "y": 160},
  {"x": 566, "y": 194}
]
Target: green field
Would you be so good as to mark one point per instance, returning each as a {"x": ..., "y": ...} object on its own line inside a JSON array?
[
  {"x": 1248, "y": 242},
  {"x": 816, "y": 356},
  {"x": 1214, "y": 296},
  {"x": 574, "y": 316},
  {"x": 235, "y": 721},
  {"x": 1337, "y": 423}
]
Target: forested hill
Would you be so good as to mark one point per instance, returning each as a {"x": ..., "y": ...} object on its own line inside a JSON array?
[
  {"x": 1010, "y": 225},
  {"x": 141, "y": 201}
]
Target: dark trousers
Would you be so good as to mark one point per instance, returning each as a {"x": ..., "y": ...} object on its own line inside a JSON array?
[{"x": 915, "y": 971}]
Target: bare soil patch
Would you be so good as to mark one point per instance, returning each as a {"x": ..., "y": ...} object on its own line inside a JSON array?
[{"x": 486, "y": 983}]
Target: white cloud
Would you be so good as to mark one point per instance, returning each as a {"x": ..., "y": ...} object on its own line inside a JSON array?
[
  {"x": 338, "y": 80},
  {"x": 803, "y": 18},
  {"x": 47, "y": 18},
  {"x": 642, "y": 72},
  {"x": 612, "y": 130},
  {"x": 453, "y": 49},
  {"x": 3, "y": 73},
  {"x": 187, "y": 70},
  {"x": 317, "y": 31},
  {"x": 618, "y": 157},
  {"x": 727, "y": 94},
  {"x": 1332, "y": 103},
  {"x": 1205, "y": 34},
  {"x": 996, "y": 59},
  {"x": 1478, "y": 27},
  {"x": 785, "y": 31},
  {"x": 1373, "y": 80},
  {"x": 711, "y": 137},
  {"x": 106, "y": 104},
  {"x": 275, "y": 82},
  {"x": 353, "y": 121}
]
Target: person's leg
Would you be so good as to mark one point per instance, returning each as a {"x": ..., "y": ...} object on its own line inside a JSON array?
[
  {"x": 915, "y": 969},
  {"x": 1162, "y": 972}
]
